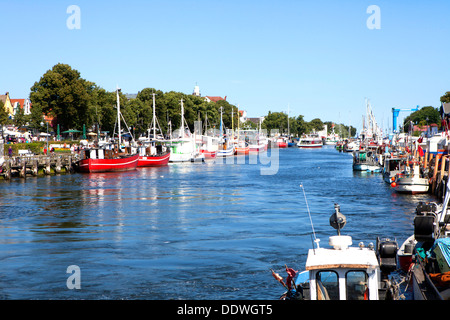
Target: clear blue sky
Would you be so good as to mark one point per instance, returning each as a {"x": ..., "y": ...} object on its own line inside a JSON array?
[{"x": 316, "y": 56}]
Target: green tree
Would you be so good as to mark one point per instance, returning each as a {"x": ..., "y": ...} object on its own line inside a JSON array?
[
  {"x": 316, "y": 124},
  {"x": 4, "y": 119},
  {"x": 446, "y": 97},
  {"x": 63, "y": 94},
  {"x": 424, "y": 116}
]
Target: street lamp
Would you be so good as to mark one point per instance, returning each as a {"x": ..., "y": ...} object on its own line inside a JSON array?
[{"x": 42, "y": 124}]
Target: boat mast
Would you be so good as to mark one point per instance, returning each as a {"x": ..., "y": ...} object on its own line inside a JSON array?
[
  {"x": 118, "y": 114},
  {"x": 154, "y": 117},
  {"x": 182, "y": 120},
  {"x": 221, "y": 122}
]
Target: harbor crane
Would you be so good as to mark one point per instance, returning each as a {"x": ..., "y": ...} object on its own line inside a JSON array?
[{"x": 395, "y": 113}]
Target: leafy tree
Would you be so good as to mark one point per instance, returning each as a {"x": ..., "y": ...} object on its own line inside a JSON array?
[
  {"x": 316, "y": 124},
  {"x": 63, "y": 94},
  {"x": 4, "y": 119},
  {"x": 446, "y": 97},
  {"x": 424, "y": 116}
]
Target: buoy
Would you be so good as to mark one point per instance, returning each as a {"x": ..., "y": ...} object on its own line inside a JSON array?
[{"x": 393, "y": 184}]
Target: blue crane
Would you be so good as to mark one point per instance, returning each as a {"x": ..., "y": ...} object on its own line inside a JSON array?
[{"x": 395, "y": 113}]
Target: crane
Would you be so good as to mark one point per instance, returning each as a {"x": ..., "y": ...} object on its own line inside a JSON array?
[{"x": 395, "y": 113}]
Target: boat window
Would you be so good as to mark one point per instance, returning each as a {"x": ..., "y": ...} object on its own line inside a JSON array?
[
  {"x": 327, "y": 285},
  {"x": 356, "y": 283}
]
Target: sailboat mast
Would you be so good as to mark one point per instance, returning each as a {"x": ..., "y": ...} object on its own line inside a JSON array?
[
  {"x": 221, "y": 122},
  {"x": 182, "y": 119},
  {"x": 154, "y": 117},
  {"x": 118, "y": 115}
]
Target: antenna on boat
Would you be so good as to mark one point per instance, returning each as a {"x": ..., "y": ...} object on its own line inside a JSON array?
[{"x": 310, "y": 219}]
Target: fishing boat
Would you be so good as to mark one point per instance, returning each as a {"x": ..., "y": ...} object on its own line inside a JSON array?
[
  {"x": 344, "y": 272},
  {"x": 241, "y": 148},
  {"x": 281, "y": 142},
  {"x": 411, "y": 182},
  {"x": 209, "y": 147},
  {"x": 430, "y": 267},
  {"x": 392, "y": 167},
  {"x": 226, "y": 147},
  {"x": 153, "y": 153},
  {"x": 109, "y": 157},
  {"x": 183, "y": 148},
  {"x": 310, "y": 141},
  {"x": 364, "y": 160},
  {"x": 103, "y": 160},
  {"x": 209, "y": 142},
  {"x": 351, "y": 146}
]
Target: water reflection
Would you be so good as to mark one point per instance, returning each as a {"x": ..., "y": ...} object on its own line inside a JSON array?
[{"x": 148, "y": 231}]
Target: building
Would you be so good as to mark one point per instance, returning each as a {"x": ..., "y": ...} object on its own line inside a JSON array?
[
  {"x": 214, "y": 98},
  {"x": 7, "y": 104},
  {"x": 24, "y": 104},
  {"x": 207, "y": 98}
]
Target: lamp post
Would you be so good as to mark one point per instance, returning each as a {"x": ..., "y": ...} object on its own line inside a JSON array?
[{"x": 42, "y": 124}]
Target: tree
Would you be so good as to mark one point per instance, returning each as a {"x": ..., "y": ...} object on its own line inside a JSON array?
[
  {"x": 425, "y": 116},
  {"x": 316, "y": 124},
  {"x": 63, "y": 94},
  {"x": 446, "y": 97},
  {"x": 4, "y": 119}
]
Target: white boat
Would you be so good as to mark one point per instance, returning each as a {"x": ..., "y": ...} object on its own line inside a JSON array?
[
  {"x": 411, "y": 182},
  {"x": 184, "y": 148},
  {"x": 392, "y": 167},
  {"x": 343, "y": 272},
  {"x": 310, "y": 141},
  {"x": 351, "y": 146},
  {"x": 364, "y": 160}
]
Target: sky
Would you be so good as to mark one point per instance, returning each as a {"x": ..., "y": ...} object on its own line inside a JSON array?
[{"x": 316, "y": 58}]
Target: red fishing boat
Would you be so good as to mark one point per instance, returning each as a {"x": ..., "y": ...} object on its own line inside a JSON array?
[
  {"x": 101, "y": 160},
  {"x": 209, "y": 154},
  {"x": 153, "y": 156},
  {"x": 281, "y": 143},
  {"x": 108, "y": 158}
]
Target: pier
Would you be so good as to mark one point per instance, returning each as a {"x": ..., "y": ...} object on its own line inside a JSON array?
[{"x": 35, "y": 165}]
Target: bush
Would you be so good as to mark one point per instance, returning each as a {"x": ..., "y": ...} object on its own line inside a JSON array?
[{"x": 35, "y": 147}]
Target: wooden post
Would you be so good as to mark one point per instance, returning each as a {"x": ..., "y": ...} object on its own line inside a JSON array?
[
  {"x": 47, "y": 166},
  {"x": 436, "y": 165},
  {"x": 35, "y": 168},
  {"x": 8, "y": 169},
  {"x": 23, "y": 171},
  {"x": 425, "y": 160},
  {"x": 58, "y": 165}
]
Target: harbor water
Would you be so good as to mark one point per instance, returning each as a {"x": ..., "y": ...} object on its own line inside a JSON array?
[{"x": 196, "y": 231}]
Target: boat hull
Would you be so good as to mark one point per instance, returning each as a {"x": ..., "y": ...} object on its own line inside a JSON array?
[
  {"x": 242, "y": 151},
  {"x": 309, "y": 146},
  {"x": 126, "y": 163},
  {"x": 154, "y": 161},
  {"x": 366, "y": 167},
  {"x": 225, "y": 153},
  {"x": 411, "y": 185},
  {"x": 209, "y": 154}
]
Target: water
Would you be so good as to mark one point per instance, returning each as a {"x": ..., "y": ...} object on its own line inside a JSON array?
[{"x": 186, "y": 231}]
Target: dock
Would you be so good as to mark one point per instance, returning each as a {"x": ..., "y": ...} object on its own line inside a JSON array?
[{"x": 35, "y": 165}]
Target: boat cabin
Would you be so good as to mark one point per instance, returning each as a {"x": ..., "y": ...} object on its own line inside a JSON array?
[
  {"x": 346, "y": 272},
  {"x": 342, "y": 272}
]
